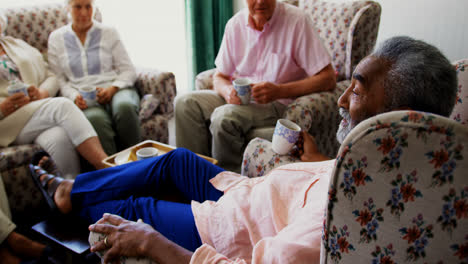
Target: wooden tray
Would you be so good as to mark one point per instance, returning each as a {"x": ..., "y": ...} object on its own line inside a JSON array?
[{"x": 163, "y": 149}]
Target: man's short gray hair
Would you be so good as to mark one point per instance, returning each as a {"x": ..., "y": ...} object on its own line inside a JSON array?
[{"x": 420, "y": 76}]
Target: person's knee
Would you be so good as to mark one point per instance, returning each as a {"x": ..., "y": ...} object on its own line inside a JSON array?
[
  {"x": 224, "y": 117},
  {"x": 182, "y": 153},
  {"x": 185, "y": 103},
  {"x": 97, "y": 117},
  {"x": 64, "y": 103},
  {"x": 125, "y": 110}
]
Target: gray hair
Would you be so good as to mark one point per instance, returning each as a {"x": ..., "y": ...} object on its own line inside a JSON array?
[
  {"x": 3, "y": 22},
  {"x": 420, "y": 76}
]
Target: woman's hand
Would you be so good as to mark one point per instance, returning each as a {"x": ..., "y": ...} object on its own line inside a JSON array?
[
  {"x": 265, "y": 92},
  {"x": 80, "y": 102},
  {"x": 13, "y": 103},
  {"x": 37, "y": 93},
  {"x": 124, "y": 238},
  {"x": 104, "y": 95}
]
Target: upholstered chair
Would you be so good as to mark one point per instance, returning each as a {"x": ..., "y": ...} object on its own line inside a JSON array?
[
  {"x": 399, "y": 192},
  {"x": 157, "y": 90},
  {"x": 460, "y": 111}
]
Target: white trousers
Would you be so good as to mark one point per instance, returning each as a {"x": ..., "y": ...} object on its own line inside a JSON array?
[{"x": 58, "y": 126}]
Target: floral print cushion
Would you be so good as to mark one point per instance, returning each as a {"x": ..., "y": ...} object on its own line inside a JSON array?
[
  {"x": 460, "y": 111},
  {"x": 399, "y": 192}
]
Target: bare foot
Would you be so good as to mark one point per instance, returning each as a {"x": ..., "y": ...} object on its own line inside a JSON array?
[
  {"x": 47, "y": 164},
  {"x": 61, "y": 197}
]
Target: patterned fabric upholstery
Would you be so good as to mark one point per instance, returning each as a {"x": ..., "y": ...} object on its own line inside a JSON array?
[
  {"x": 34, "y": 24},
  {"x": 349, "y": 32},
  {"x": 399, "y": 192},
  {"x": 460, "y": 111}
]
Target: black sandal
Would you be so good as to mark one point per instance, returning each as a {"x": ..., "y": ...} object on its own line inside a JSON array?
[
  {"x": 47, "y": 190},
  {"x": 48, "y": 166}
]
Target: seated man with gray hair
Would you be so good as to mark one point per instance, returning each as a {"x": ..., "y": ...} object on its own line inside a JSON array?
[{"x": 274, "y": 219}]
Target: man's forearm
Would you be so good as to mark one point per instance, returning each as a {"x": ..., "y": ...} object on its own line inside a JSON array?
[
  {"x": 325, "y": 80},
  {"x": 221, "y": 84},
  {"x": 162, "y": 250}
]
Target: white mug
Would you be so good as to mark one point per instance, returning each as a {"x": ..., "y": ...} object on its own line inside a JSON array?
[
  {"x": 145, "y": 153},
  {"x": 242, "y": 87},
  {"x": 17, "y": 87},
  {"x": 89, "y": 94},
  {"x": 285, "y": 136}
]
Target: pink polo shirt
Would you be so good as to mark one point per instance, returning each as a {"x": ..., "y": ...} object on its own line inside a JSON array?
[
  {"x": 277, "y": 218},
  {"x": 288, "y": 49}
]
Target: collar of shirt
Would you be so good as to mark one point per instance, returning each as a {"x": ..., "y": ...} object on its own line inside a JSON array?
[{"x": 270, "y": 23}]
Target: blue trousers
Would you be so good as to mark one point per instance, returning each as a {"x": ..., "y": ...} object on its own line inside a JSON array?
[{"x": 134, "y": 190}]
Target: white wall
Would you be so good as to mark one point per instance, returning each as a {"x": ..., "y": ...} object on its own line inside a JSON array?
[{"x": 443, "y": 23}]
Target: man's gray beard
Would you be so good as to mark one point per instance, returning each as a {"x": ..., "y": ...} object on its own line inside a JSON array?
[{"x": 345, "y": 128}]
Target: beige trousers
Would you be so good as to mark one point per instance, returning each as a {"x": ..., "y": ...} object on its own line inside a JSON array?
[{"x": 205, "y": 124}]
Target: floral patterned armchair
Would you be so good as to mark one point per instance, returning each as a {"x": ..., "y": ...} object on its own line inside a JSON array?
[
  {"x": 348, "y": 31},
  {"x": 399, "y": 192},
  {"x": 33, "y": 25},
  {"x": 460, "y": 111}
]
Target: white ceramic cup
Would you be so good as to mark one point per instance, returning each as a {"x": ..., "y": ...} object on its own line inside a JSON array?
[
  {"x": 89, "y": 95},
  {"x": 17, "y": 87},
  {"x": 147, "y": 152},
  {"x": 242, "y": 87},
  {"x": 285, "y": 136}
]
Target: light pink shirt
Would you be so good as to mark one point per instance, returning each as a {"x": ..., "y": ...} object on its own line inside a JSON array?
[
  {"x": 288, "y": 49},
  {"x": 273, "y": 219}
]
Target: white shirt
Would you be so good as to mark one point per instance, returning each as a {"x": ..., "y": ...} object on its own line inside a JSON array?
[{"x": 101, "y": 62}]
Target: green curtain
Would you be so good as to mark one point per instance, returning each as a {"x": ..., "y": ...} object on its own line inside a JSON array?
[{"x": 205, "y": 22}]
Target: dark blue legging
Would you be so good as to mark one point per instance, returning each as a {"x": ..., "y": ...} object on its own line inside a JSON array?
[{"x": 132, "y": 191}]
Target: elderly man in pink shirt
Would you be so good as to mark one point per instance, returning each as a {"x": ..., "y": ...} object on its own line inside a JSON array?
[
  {"x": 233, "y": 219},
  {"x": 274, "y": 45}
]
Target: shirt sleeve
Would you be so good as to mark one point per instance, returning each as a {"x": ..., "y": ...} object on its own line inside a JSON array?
[
  {"x": 122, "y": 63},
  {"x": 50, "y": 84},
  {"x": 53, "y": 54},
  {"x": 315, "y": 57},
  {"x": 223, "y": 61}
]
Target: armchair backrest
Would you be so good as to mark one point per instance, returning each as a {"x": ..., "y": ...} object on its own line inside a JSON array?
[
  {"x": 399, "y": 192},
  {"x": 460, "y": 111},
  {"x": 34, "y": 24},
  {"x": 348, "y": 30}
]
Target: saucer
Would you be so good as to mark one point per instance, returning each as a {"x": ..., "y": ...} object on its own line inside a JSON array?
[{"x": 122, "y": 157}]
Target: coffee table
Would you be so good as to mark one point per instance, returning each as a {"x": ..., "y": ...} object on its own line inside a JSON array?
[{"x": 128, "y": 155}]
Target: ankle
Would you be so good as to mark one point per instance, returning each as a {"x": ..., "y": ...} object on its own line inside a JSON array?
[{"x": 62, "y": 196}]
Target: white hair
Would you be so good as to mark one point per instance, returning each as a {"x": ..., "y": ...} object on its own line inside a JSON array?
[{"x": 3, "y": 22}]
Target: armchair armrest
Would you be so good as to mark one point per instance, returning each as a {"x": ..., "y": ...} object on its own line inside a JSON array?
[
  {"x": 25, "y": 200},
  {"x": 204, "y": 80},
  {"x": 318, "y": 113},
  {"x": 160, "y": 84}
]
